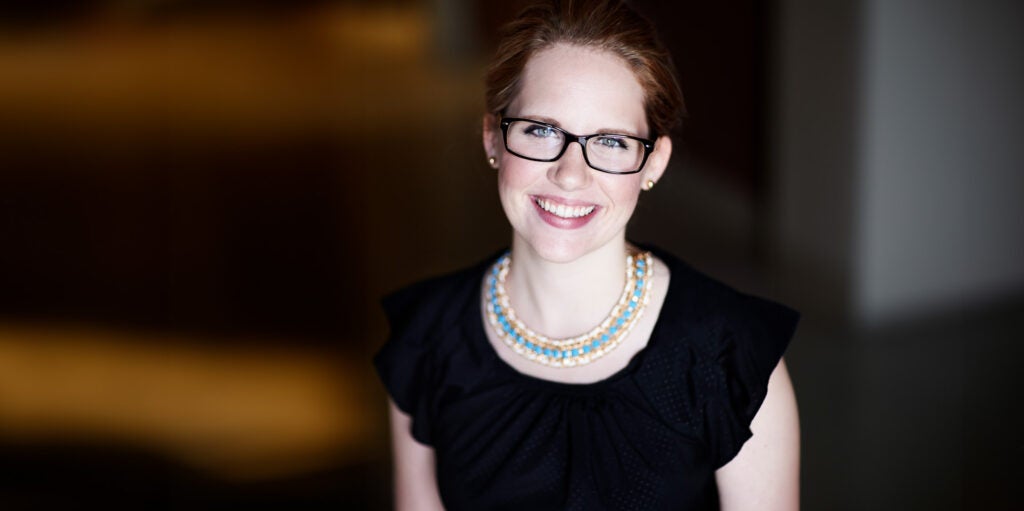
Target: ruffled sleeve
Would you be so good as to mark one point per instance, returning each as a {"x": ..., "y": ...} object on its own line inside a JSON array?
[
  {"x": 752, "y": 343},
  {"x": 404, "y": 362}
]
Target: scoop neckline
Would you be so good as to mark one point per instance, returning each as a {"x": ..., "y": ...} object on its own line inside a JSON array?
[{"x": 480, "y": 334}]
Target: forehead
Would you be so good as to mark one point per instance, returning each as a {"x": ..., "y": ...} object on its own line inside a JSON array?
[{"x": 583, "y": 89}]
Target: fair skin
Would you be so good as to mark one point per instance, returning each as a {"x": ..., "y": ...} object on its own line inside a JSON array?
[{"x": 556, "y": 262}]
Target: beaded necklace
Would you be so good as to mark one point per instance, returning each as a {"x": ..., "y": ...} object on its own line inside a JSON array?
[{"x": 572, "y": 351}]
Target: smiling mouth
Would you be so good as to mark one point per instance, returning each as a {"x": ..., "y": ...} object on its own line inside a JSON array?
[{"x": 563, "y": 211}]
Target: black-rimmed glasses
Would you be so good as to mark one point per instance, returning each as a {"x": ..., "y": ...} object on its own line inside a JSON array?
[{"x": 608, "y": 152}]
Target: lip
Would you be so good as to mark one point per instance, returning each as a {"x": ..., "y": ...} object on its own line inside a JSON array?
[{"x": 559, "y": 222}]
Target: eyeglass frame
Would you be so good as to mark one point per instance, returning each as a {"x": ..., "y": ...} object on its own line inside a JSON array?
[{"x": 647, "y": 144}]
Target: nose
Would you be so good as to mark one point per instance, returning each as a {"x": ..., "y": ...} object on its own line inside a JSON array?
[{"x": 571, "y": 172}]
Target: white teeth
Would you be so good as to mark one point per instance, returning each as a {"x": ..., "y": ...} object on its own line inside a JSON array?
[{"x": 564, "y": 211}]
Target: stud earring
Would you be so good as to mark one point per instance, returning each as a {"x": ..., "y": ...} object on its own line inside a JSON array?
[
  {"x": 649, "y": 184},
  {"x": 492, "y": 162}
]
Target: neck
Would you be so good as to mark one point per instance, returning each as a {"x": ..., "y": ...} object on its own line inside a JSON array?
[{"x": 566, "y": 299}]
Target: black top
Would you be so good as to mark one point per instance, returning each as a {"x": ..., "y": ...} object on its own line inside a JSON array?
[{"x": 648, "y": 437}]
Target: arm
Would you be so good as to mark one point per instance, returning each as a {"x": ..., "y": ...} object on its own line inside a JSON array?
[
  {"x": 415, "y": 481},
  {"x": 765, "y": 475}
]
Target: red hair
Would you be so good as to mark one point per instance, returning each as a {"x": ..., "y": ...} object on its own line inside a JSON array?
[{"x": 608, "y": 25}]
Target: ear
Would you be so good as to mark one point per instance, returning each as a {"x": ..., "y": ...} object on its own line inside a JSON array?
[
  {"x": 658, "y": 159},
  {"x": 491, "y": 136}
]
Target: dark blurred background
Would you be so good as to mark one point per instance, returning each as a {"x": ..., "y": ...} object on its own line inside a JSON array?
[{"x": 201, "y": 203}]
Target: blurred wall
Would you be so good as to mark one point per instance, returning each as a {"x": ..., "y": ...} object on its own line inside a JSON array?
[
  {"x": 896, "y": 148},
  {"x": 940, "y": 220},
  {"x": 813, "y": 138},
  {"x": 898, "y": 160}
]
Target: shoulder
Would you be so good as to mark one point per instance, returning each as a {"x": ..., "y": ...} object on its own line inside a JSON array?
[
  {"x": 729, "y": 343},
  {"x": 420, "y": 315},
  {"x": 435, "y": 303},
  {"x": 717, "y": 318},
  {"x": 713, "y": 300}
]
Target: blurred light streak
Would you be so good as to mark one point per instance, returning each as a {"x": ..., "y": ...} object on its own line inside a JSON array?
[
  {"x": 343, "y": 67},
  {"x": 239, "y": 411}
]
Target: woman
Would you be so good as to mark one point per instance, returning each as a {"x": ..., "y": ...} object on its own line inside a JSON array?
[{"x": 512, "y": 385}]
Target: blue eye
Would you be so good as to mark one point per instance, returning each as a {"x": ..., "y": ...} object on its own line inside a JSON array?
[
  {"x": 613, "y": 142},
  {"x": 540, "y": 131}
]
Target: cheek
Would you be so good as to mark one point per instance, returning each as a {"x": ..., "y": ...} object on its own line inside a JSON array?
[
  {"x": 513, "y": 178},
  {"x": 624, "y": 191},
  {"x": 509, "y": 183}
]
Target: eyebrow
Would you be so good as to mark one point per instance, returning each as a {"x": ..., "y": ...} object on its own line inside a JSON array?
[{"x": 606, "y": 131}]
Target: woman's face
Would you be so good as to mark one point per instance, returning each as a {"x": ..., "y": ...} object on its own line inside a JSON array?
[{"x": 583, "y": 91}]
